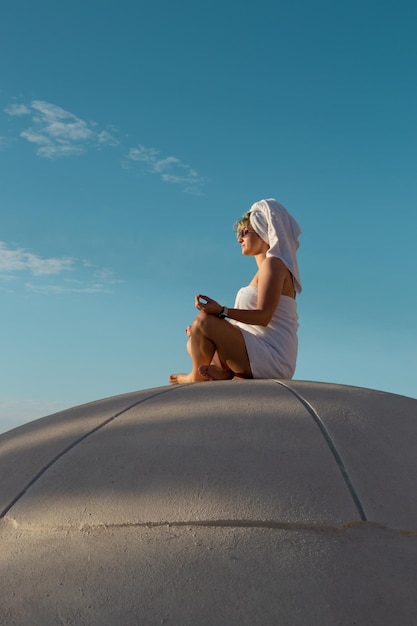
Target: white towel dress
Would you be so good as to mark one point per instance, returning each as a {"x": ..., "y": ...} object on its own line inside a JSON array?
[{"x": 272, "y": 349}]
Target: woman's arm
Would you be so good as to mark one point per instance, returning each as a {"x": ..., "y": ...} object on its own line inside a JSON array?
[{"x": 271, "y": 278}]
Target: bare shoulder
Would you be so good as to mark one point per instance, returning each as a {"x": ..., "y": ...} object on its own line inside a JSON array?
[
  {"x": 275, "y": 272},
  {"x": 273, "y": 265}
]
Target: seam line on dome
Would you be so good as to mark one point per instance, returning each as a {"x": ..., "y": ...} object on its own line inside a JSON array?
[
  {"x": 332, "y": 446},
  {"x": 212, "y": 523},
  {"x": 73, "y": 445}
]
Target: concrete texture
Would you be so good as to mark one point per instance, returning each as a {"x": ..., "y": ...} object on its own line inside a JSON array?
[{"x": 250, "y": 502}]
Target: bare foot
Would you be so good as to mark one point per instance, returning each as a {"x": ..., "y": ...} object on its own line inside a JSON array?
[
  {"x": 179, "y": 379},
  {"x": 212, "y": 372}
]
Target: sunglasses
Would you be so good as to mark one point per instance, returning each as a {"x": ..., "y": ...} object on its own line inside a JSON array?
[{"x": 243, "y": 232}]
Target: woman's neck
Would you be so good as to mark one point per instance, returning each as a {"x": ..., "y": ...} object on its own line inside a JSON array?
[{"x": 260, "y": 258}]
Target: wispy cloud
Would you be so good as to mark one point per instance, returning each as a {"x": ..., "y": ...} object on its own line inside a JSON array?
[
  {"x": 57, "y": 132},
  {"x": 105, "y": 138},
  {"x": 17, "y": 109},
  {"x": 170, "y": 169},
  {"x": 17, "y": 259},
  {"x": 53, "y": 275}
]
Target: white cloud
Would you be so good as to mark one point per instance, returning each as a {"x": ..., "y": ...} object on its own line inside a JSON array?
[
  {"x": 99, "y": 281},
  {"x": 51, "y": 111},
  {"x": 62, "y": 289},
  {"x": 18, "y": 259},
  {"x": 34, "y": 137},
  {"x": 165, "y": 164},
  {"x": 147, "y": 155},
  {"x": 107, "y": 139},
  {"x": 170, "y": 169},
  {"x": 17, "y": 109},
  {"x": 57, "y": 132},
  {"x": 84, "y": 278},
  {"x": 53, "y": 151}
]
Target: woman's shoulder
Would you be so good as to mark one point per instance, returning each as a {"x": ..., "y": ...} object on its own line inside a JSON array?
[
  {"x": 273, "y": 264},
  {"x": 275, "y": 270}
]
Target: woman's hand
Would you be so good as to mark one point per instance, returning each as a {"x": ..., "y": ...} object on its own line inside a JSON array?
[{"x": 207, "y": 305}]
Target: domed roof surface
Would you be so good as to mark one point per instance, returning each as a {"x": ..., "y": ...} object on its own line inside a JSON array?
[{"x": 232, "y": 502}]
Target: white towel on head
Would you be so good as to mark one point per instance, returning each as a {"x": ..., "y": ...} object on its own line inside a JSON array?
[{"x": 272, "y": 222}]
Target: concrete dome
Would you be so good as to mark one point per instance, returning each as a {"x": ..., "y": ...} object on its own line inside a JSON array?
[{"x": 253, "y": 502}]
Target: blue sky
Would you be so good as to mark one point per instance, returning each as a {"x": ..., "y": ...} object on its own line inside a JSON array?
[{"x": 134, "y": 134}]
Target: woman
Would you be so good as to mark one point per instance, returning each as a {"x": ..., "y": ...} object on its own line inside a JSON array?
[{"x": 259, "y": 339}]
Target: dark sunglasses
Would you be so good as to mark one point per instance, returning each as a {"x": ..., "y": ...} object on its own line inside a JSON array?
[{"x": 243, "y": 232}]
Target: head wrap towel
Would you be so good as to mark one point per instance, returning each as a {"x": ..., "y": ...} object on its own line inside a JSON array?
[{"x": 272, "y": 222}]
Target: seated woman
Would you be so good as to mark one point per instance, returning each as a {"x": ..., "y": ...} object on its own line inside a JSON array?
[{"x": 259, "y": 338}]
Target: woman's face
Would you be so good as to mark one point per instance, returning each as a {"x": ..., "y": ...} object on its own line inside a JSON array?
[{"x": 250, "y": 242}]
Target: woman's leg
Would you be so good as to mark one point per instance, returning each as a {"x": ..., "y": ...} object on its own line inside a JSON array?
[
  {"x": 208, "y": 335},
  {"x": 215, "y": 360}
]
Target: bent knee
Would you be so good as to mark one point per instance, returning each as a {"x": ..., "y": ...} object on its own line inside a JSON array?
[{"x": 203, "y": 323}]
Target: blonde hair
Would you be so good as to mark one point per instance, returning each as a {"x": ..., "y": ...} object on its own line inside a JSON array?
[{"x": 244, "y": 221}]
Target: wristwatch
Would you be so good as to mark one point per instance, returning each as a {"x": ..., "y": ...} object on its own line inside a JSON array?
[{"x": 224, "y": 312}]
